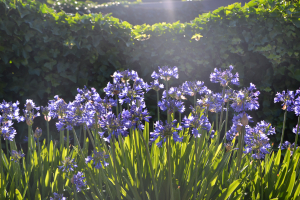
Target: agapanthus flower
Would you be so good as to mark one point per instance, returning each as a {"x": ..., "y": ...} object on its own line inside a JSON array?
[
  {"x": 213, "y": 102},
  {"x": 134, "y": 116},
  {"x": 98, "y": 159},
  {"x": 224, "y": 77},
  {"x": 68, "y": 164},
  {"x": 165, "y": 73},
  {"x": 171, "y": 105},
  {"x": 113, "y": 125},
  {"x": 155, "y": 85},
  {"x": 10, "y": 111},
  {"x": 57, "y": 107},
  {"x": 46, "y": 112},
  {"x": 237, "y": 125},
  {"x": 193, "y": 87},
  {"x": 164, "y": 131},
  {"x": 295, "y": 129},
  {"x": 6, "y": 129},
  {"x": 128, "y": 93},
  {"x": 287, "y": 99},
  {"x": 30, "y": 112},
  {"x": 246, "y": 99},
  {"x": 286, "y": 145},
  {"x": 113, "y": 89},
  {"x": 196, "y": 123},
  {"x": 58, "y": 197},
  {"x": 297, "y": 106},
  {"x": 37, "y": 133},
  {"x": 174, "y": 93},
  {"x": 79, "y": 181},
  {"x": 128, "y": 75},
  {"x": 16, "y": 156},
  {"x": 256, "y": 141}
]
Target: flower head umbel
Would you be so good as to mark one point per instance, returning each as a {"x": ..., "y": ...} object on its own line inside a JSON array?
[
  {"x": 79, "y": 181},
  {"x": 165, "y": 131},
  {"x": 155, "y": 85},
  {"x": 10, "y": 111},
  {"x": 6, "y": 129},
  {"x": 30, "y": 112},
  {"x": 37, "y": 133},
  {"x": 68, "y": 164},
  {"x": 98, "y": 159},
  {"x": 196, "y": 123},
  {"x": 57, "y": 107},
  {"x": 224, "y": 77},
  {"x": 212, "y": 101},
  {"x": 246, "y": 99},
  {"x": 58, "y": 197},
  {"x": 193, "y": 87},
  {"x": 257, "y": 142},
  {"x": 165, "y": 73},
  {"x": 16, "y": 156},
  {"x": 287, "y": 99},
  {"x": 297, "y": 105},
  {"x": 114, "y": 125}
]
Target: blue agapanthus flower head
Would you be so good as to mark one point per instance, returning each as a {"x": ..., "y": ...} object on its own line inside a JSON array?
[
  {"x": 154, "y": 85},
  {"x": 164, "y": 131},
  {"x": 10, "y": 111},
  {"x": 165, "y": 73},
  {"x": 237, "y": 125},
  {"x": 246, "y": 99},
  {"x": 57, "y": 107},
  {"x": 68, "y": 164},
  {"x": 287, "y": 99},
  {"x": 16, "y": 156},
  {"x": 193, "y": 87},
  {"x": 7, "y": 131},
  {"x": 297, "y": 106},
  {"x": 213, "y": 102},
  {"x": 257, "y": 142},
  {"x": 30, "y": 112},
  {"x": 98, "y": 159},
  {"x": 113, "y": 125},
  {"x": 171, "y": 105},
  {"x": 224, "y": 77},
  {"x": 79, "y": 181},
  {"x": 196, "y": 123},
  {"x": 295, "y": 129},
  {"x": 57, "y": 196}
]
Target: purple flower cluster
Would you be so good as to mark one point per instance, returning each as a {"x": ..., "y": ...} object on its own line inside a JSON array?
[
  {"x": 9, "y": 111},
  {"x": 224, "y": 77},
  {"x": 246, "y": 99},
  {"x": 211, "y": 101},
  {"x": 30, "y": 112},
  {"x": 287, "y": 99},
  {"x": 68, "y": 164},
  {"x": 98, "y": 159},
  {"x": 165, "y": 131},
  {"x": 79, "y": 181},
  {"x": 58, "y": 197},
  {"x": 196, "y": 123},
  {"x": 191, "y": 88},
  {"x": 16, "y": 156},
  {"x": 165, "y": 73}
]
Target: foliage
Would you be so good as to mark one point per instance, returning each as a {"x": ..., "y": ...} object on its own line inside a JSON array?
[{"x": 43, "y": 53}]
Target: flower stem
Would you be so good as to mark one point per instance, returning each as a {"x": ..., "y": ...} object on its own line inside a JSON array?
[
  {"x": 226, "y": 121},
  {"x": 151, "y": 167},
  {"x": 92, "y": 140},
  {"x": 112, "y": 142},
  {"x": 297, "y": 133},
  {"x": 48, "y": 136},
  {"x": 61, "y": 141},
  {"x": 75, "y": 192},
  {"x": 223, "y": 103},
  {"x": 261, "y": 181},
  {"x": 196, "y": 154},
  {"x": 68, "y": 142},
  {"x": 169, "y": 168},
  {"x": 157, "y": 97},
  {"x": 283, "y": 127},
  {"x": 1, "y": 174}
]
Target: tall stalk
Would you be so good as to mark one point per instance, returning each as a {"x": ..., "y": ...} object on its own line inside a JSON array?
[
  {"x": 283, "y": 127},
  {"x": 61, "y": 141},
  {"x": 1, "y": 174},
  {"x": 151, "y": 167},
  {"x": 112, "y": 142},
  {"x": 196, "y": 155},
  {"x": 226, "y": 121},
  {"x": 169, "y": 167},
  {"x": 223, "y": 103},
  {"x": 68, "y": 142},
  {"x": 297, "y": 133},
  {"x": 48, "y": 134},
  {"x": 157, "y": 98}
]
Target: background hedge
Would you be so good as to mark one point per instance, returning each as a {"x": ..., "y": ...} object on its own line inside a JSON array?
[{"x": 44, "y": 53}]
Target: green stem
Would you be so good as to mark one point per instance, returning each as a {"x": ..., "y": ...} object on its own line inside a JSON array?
[
  {"x": 68, "y": 142},
  {"x": 117, "y": 106},
  {"x": 223, "y": 103},
  {"x": 96, "y": 131},
  {"x": 61, "y": 141},
  {"x": 92, "y": 140},
  {"x": 196, "y": 181},
  {"x": 226, "y": 120},
  {"x": 75, "y": 192},
  {"x": 1, "y": 174},
  {"x": 217, "y": 128},
  {"x": 157, "y": 97},
  {"x": 296, "y": 141},
  {"x": 240, "y": 151},
  {"x": 112, "y": 142},
  {"x": 48, "y": 134},
  {"x": 84, "y": 137},
  {"x": 283, "y": 127},
  {"x": 169, "y": 168},
  {"x": 151, "y": 167},
  {"x": 261, "y": 181},
  {"x": 6, "y": 146}
]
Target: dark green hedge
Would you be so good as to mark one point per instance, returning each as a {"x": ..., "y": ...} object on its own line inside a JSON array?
[{"x": 43, "y": 53}]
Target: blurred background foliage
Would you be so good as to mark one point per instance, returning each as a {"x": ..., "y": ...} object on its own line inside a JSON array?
[{"x": 51, "y": 49}]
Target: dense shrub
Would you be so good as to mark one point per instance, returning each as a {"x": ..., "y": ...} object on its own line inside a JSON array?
[{"x": 43, "y": 53}]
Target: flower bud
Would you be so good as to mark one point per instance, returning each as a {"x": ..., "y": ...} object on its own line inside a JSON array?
[
  {"x": 37, "y": 132},
  {"x": 29, "y": 107}
]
